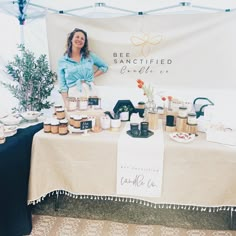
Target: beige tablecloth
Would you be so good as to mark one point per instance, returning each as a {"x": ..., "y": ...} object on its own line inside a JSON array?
[{"x": 200, "y": 173}]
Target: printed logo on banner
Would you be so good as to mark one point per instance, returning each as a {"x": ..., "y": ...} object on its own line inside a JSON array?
[{"x": 142, "y": 58}]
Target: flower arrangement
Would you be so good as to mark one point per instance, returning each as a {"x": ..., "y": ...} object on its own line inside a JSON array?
[
  {"x": 169, "y": 98},
  {"x": 147, "y": 89}
]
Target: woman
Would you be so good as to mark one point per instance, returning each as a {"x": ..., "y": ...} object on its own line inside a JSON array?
[{"x": 76, "y": 67}]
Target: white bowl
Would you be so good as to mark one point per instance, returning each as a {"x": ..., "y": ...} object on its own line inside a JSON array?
[
  {"x": 11, "y": 120},
  {"x": 30, "y": 115},
  {"x": 10, "y": 130}
]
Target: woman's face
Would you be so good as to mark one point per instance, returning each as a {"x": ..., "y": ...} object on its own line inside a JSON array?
[{"x": 78, "y": 40}]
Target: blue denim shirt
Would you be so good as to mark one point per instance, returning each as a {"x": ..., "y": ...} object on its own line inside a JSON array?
[{"x": 71, "y": 73}]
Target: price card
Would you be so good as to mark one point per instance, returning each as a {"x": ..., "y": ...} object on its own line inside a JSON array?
[
  {"x": 86, "y": 125},
  {"x": 93, "y": 101}
]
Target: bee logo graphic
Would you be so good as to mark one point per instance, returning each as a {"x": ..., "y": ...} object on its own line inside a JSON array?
[{"x": 145, "y": 41}]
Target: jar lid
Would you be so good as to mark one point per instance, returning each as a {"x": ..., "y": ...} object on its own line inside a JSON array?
[
  {"x": 77, "y": 117},
  {"x": 141, "y": 103},
  {"x": 64, "y": 121},
  {"x": 47, "y": 122},
  {"x": 58, "y": 106},
  {"x": 192, "y": 114},
  {"x": 60, "y": 109},
  {"x": 54, "y": 122}
]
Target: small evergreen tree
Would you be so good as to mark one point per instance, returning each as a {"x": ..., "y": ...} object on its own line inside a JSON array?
[{"x": 35, "y": 80}]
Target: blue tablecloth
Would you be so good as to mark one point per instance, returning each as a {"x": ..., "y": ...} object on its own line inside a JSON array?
[{"x": 15, "y": 153}]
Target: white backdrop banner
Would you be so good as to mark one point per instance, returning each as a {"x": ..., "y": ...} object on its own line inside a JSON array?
[{"x": 195, "y": 51}]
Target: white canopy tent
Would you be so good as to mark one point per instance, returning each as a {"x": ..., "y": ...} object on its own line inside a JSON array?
[{"x": 24, "y": 21}]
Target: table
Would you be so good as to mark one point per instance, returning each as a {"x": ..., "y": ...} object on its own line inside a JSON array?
[
  {"x": 198, "y": 174},
  {"x": 15, "y": 153}
]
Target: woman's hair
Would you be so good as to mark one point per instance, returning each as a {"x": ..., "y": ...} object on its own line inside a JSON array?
[{"x": 84, "y": 49}]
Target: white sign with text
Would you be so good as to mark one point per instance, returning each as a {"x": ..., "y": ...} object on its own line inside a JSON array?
[{"x": 140, "y": 165}]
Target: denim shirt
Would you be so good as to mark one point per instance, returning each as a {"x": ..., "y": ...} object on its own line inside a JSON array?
[{"x": 72, "y": 73}]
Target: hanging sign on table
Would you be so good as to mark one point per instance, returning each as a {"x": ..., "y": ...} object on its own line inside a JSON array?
[
  {"x": 85, "y": 124},
  {"x": 93, "y": 101},
  {"x": 140, "y": 165}
]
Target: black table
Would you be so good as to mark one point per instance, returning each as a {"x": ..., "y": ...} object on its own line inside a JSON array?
[{"x": 15, "y": 153}]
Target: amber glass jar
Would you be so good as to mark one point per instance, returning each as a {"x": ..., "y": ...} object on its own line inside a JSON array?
[
  {"x": 71, "y": 120},
  {"x": 55, "y": 127},
  {"x": 57, "y": 106},
  {"x": 63, "y": 127},
  {"x": 47, "y": 126},
  {"x": 60, "y": 113},
  {"x": 76, "y": 121}
]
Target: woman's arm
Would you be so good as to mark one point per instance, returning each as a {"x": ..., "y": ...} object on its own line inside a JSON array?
[
  {"x": 100, "y": 64},
  {"x": 98, "y": 72}
]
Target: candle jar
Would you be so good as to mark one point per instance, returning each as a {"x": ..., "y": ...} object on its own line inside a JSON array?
[
  {"x": 134, "y": 129},
  {"x": 182, "y": 112},
  {"x": 72, "y": 103},
  {"x": 76, "y": 123},
  {"x": 55, "y": 127},
  {"x": 63, "y": 127},
  {"x": 47, "y": 126},
  {"x": 160, "y": 110},
  {"x": 141, "y": 105},
  {"x": 105, "y": 122},
  {"x": 57, "y": 106},
  {"x": 71, "y": 120},
  {"x": 83, "y": 103},
  {"x": 60, "y": 113},
  {"x": 144, "y": 128},
  {"x": 192, "y": 118}
]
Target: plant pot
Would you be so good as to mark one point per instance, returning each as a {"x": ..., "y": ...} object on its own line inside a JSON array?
[{"x": 124, "y": 116}]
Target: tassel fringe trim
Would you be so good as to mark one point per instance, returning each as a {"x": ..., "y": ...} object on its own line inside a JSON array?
[{"x": 136, "y": 201}]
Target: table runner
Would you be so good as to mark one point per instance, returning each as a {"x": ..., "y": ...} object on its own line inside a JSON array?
[{"x": 140, "y": 164}]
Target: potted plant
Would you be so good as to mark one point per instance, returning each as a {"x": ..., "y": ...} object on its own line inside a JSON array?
[
  {"x": 33, "y": 79},
  {"x": 125, "y": 111}
]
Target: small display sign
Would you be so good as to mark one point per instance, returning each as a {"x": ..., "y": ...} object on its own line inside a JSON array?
[
  {"x": 93, "y": 101},
  {"x": 86, "y": 125}
]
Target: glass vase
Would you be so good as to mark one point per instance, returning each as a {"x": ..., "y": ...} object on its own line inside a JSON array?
[{"x": 150, "y": 106}]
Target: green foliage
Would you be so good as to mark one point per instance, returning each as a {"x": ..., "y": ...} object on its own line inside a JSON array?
[
  {"x": 125, "y": 108},
  {"x": 35, "y": 80}
]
